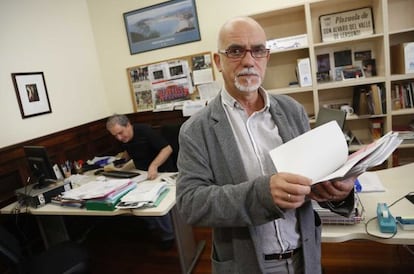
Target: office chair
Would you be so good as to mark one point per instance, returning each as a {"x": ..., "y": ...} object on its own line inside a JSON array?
[
  {"x": 327, "y": 114},
  {"x": 67, "y": 257},
  {"x": 170, "y": 133}
]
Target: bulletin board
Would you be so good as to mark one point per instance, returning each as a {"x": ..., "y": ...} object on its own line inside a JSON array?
[{"x": 167, "y": 84}]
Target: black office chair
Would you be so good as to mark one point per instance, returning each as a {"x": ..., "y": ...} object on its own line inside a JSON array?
[
  {"x": 67, "y": 257},
  {"x": 170, "y": 133},
  {"x": 327, "y": 114}
]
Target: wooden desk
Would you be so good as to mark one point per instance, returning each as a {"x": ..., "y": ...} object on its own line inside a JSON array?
[
  {"x": 52, "y": 226},
  {"x": 398, "y": 182}
]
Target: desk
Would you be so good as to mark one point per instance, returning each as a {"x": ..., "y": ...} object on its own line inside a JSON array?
[
  {"x": 398, "y": 181},
  {"x": 53, "y": 229}
]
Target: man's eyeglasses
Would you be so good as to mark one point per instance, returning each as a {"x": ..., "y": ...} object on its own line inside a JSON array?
[{"x": 239, "y": 52}]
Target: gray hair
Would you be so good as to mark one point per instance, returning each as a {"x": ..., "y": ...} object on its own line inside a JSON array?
[{"x": 117, "y": 119}]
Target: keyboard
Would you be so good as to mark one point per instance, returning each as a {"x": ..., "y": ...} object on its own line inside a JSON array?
[{"x": 120, "y": 174}]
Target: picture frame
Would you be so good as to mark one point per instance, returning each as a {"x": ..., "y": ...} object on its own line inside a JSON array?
[
  {"x": 354, "y": 72},
  {"x": 162, "y": 25},
  {"x": 31, "y": 92}
]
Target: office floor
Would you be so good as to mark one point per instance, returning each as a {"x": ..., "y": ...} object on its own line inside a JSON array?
[{"x": 123, "y": 246}]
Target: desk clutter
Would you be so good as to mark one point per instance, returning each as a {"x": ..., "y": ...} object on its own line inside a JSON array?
[
  {"x": 329, "y": 217},
  {"x": 108, "y": 194}
]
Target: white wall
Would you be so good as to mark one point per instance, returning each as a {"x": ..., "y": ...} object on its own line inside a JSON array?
[
  {"x": 81, "y": 46},
  {"x": 112, "y": 45},
  {"x": 55, "y": 37}
]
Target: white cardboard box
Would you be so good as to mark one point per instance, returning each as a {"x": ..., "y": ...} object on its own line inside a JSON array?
[
  {"x": 402, "y": 58},
  {"x": 285, "y": 43}
]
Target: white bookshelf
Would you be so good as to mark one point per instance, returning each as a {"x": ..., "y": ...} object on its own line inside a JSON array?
[{"x": 393, "y": 24}]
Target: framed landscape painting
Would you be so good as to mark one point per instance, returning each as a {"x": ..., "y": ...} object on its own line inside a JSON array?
[{"x": 162, "y": 25}]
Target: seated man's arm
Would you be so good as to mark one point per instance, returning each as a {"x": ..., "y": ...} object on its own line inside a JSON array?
[{"x": 158, "y": 161}]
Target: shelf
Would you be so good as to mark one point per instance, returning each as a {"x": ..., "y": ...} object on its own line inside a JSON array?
[
  {"x": 287, "y": 50},
  {"x": 403, "y": 111},
  {"x": 351, "y": 83},
  {"x": 393, "y": 24},
  {"x": 289, "y": 90},
  {"x": 348, "y": 41},
  {"x": 401, "y": 31},
  {"x": 399, "y": 77}
]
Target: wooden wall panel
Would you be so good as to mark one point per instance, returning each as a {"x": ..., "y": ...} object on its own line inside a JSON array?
[{"x": 82, "y": 142}]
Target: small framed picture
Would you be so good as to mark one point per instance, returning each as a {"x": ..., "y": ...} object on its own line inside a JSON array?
[
  {"x": 343, "y": 58},
  {"x": 31, "y": 93},
  {"x": 352, "y": 73}
]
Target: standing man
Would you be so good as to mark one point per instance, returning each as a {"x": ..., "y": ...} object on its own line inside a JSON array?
[
  {"x": 150, "y": 152},
  {"x": 262, "y": 220}
]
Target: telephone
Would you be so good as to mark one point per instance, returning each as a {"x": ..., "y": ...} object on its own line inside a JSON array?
[{"x": 386, "y": 221}]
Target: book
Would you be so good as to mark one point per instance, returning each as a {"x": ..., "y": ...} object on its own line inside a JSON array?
[
  {"x": 321, "y": 154},
  {"x": 360, "y": 100},
  {"x": 376, "y": 128},
  {"x": 402, "y": 58},
  {"x": 375, "y": 94}
]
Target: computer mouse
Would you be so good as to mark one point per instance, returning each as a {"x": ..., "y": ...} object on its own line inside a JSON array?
[{"x": 98, "y": 171}]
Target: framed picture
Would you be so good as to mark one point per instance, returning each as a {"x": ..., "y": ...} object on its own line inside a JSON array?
[
  {"x": 352, "y": 73},
  {"x": 163, "y": 25},
  {"x": 31, "y": 93}
]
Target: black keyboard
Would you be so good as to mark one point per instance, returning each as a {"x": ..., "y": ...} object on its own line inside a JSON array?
[{"x": 120, "y": 174}]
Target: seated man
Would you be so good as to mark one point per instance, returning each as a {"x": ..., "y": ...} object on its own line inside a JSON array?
[{"x": 150, "y": 152}]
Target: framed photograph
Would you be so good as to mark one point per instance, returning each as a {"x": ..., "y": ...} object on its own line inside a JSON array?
[
  {"x": 31, "y": 93},
  {"x": 370, "y": 67},
  {"x": 163, "y": 25},
  {"x": 343, "y": 58},
  {"x": 324, "y": 63},
  {"x": 362, "y": 55},
  {"x": 352, "y": 73}
]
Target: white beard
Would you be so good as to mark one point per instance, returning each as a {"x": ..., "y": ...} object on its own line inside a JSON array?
[{"x": 249, "y": 87}]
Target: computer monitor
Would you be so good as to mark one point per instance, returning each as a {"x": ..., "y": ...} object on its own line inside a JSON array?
[{"x": 40, "y": 165}]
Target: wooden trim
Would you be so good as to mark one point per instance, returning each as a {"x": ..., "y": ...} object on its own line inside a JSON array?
[{"x": 80, "y": 142}]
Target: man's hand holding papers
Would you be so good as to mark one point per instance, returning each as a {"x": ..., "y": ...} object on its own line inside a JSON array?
[{"x": 322, "y": 154}]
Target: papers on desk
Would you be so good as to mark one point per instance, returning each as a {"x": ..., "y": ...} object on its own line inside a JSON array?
[
  {"x": 146, "y": 194},
  {"x": 370, "y": 182},
  {"x": 97, "y": 189},
  {"x": 322, "y": 154}
]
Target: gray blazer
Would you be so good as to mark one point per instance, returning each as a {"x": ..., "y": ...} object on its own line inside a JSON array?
[{"x": 213, "y": 190}]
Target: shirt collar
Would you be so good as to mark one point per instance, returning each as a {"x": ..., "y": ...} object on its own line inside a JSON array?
[{"x": 228, "y": 100}]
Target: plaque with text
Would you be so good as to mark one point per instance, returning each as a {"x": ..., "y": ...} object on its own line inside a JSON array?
[{"x": 347, "y": 24}]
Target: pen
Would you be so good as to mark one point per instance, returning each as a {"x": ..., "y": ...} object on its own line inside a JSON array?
[{"x": 358, "y": 187}]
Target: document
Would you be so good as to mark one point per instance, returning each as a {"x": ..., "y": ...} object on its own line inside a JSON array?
[
  {"x": 145, "y": 194},
  {"x": 370, "y": 182},
  {"x": 321, "y": 154},
  {"x": 97, "y": 189}
]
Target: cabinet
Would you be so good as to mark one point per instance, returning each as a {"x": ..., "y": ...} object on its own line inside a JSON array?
[{"x": 393, "y": 24}]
